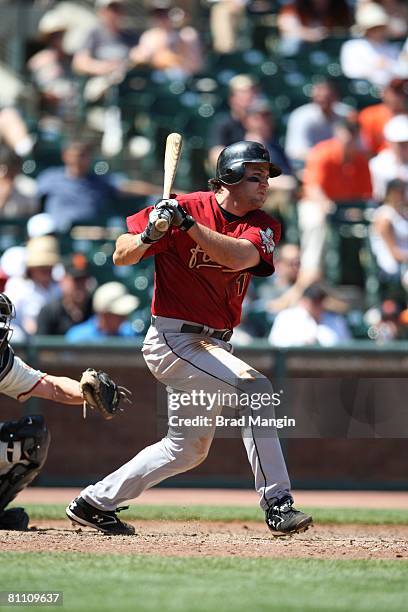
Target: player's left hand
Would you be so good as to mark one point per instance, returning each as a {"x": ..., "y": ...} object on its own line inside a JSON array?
[
  {"x": 180, "y": 217},
  {"x": 101, "y": 393}
]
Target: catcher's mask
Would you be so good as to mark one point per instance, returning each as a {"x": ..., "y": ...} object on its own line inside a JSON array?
[
  {"x": 231, "y": 161},
  {"x": 7, "y": 314}
]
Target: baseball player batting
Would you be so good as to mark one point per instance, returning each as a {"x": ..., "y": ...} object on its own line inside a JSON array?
[
  {"x": 24, "y": 443},
  {"x": 204, "y": 263}
]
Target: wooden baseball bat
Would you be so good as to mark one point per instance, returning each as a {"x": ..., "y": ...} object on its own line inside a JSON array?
[{"x": 171, "y": 157}]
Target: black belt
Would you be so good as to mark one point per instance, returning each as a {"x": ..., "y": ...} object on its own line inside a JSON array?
[{"x": 186, "y": 328}]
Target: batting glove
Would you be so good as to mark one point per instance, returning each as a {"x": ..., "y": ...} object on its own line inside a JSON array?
[
  {"x": 180, "y": 217},
  {"x": 151, "y": 234}
]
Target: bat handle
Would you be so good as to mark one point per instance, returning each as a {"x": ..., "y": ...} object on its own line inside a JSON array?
[{"x": 164, "y": 221}]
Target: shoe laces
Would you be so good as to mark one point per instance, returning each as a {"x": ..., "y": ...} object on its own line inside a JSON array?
[
  {"x": 283, "y": 505},
  {"x": 120, "y": 508}
]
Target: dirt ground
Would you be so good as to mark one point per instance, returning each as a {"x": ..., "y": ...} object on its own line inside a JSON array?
[{"x": 200, "y": 538}]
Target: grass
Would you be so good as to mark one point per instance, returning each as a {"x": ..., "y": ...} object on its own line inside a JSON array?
[
  {"x": 339, "y": 516},
  {"x": 135, "y": 583}
]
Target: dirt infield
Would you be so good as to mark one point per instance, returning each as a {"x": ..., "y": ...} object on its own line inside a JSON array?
[
  {"x": 231, "y": 497},
  {"x": 199, "y": 538}
]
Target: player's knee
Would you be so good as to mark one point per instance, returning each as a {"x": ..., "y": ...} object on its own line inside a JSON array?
[
  {"x": 189, "y": 452},
  {"x": 199, "y": 449}
]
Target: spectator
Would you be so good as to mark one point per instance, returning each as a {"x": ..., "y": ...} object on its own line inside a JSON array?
[
  {"x": 259, "y": 124},
  {"x": 311, "y": 123},
  {"x": 389, "y": 235},
  {"x": 373, "y": 118},
  {"x": 225, "y": 19},
  {"x": 31, "y": 293},
  {"x": 50, "y": 68},
  {"x": 371, "y": 57},
  {"x": 283, "y": 289},
  {"x": 108, "y": 47},
  {"x": 74, "y": 306},
  {"x": 112, "y": 305},
  {"x": 336, "y": 171},
  {"x": 309, "y": 322},
  {"x": 310, "y": 21},
  {"x": 167, "y": 46},
  {"x": 386, "y": 323},
  {"x": 392, "y": 162},
  {"x": 397, "y": 12},
  {"x": 228, "y": 128},
  {"x": 17, "y": 191},
  {"x": 72, "y": 193},
  {"x": 260, "y": 127}
]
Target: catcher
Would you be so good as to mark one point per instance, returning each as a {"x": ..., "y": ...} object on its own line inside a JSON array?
[{"x": 24, "y": 443}]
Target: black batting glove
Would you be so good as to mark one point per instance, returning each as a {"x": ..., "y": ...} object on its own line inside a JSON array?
[
  {"x": 151, "y": 235},
  {"x": 180, "y": 217}
]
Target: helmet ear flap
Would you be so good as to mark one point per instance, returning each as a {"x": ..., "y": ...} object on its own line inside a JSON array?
[{"x": 234, "y": 174}]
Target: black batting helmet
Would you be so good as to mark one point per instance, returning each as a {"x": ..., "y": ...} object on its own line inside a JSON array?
[
  {"x": 7, "y": 314},
  {"x": 232, "y": 160}
]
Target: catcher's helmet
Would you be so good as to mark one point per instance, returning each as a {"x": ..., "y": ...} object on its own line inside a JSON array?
[
  {"x": 7, "y": 314},
  {"x": 232, "y": 160}
]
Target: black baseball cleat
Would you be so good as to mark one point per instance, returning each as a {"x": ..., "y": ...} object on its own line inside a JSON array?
[
  {"x": 283, "y": 519},
  {"x": 14, "y": 519},
  {"x": 79, "y": 511}
]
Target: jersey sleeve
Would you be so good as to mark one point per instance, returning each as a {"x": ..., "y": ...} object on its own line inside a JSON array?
[
  {"x": 136, "y": 224},
  {"x": 265, "y": 236},
  {"x": 21, "y": 381}
]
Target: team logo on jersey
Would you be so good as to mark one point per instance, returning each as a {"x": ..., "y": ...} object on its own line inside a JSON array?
[
  {"x": 268, "y": 243},
  {"x": 200, "y": 259}
]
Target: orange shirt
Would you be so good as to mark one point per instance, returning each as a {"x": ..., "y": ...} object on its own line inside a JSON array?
[
  {"x": 339, "y": 179},
  {"x": 372, "y": 121}
]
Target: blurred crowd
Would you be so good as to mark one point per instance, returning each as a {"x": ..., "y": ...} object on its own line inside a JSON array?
[{"x": 323, "y": 84}]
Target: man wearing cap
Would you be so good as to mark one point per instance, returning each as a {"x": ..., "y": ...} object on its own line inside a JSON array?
[
  {"x": 112, "y": 305},
  {"x": 31, "y": 293},
  {"x": 50, "y": 68},
  {"x": 203, "y": 264},
  {"x": 74, "y": 306},
  {"x": 107, "y": 48},
  {"x": 370, "y": 57},
  {"x": 392, "y": 162}
]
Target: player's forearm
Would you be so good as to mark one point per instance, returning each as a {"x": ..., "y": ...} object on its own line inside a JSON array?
[
  {"x": 225, "y": 250},
  {"x": 129, "y": 250},
  {"x": 59, "y": 389}
]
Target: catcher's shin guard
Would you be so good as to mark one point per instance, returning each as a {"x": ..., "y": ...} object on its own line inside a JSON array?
[{"x": 23, "y": 451}]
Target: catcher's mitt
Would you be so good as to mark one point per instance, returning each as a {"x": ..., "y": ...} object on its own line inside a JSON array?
[{"x": 100, "y": 392}]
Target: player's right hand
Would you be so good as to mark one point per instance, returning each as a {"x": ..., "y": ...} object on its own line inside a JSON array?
[
  {"x": 151, "y": 234},
  {"x": 180, "y": 217}
]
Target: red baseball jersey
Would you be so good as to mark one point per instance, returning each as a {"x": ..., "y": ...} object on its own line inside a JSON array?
[{"x": 191, "y": 286}]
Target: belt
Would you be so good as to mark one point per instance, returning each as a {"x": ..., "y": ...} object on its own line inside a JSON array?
[{"x": 186, "y": 328}]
